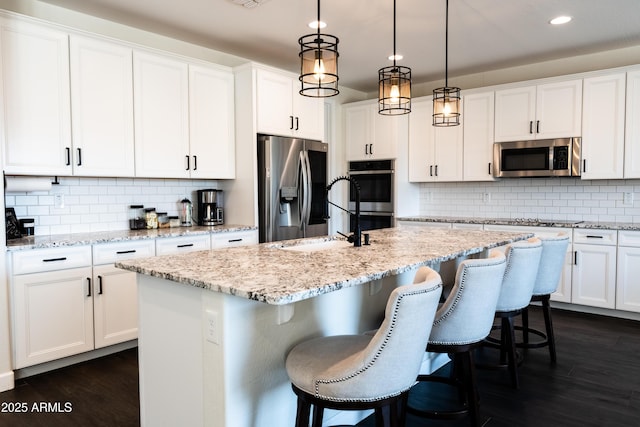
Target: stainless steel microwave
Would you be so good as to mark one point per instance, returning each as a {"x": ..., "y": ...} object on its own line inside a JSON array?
[{"x": 537, "y": 158}]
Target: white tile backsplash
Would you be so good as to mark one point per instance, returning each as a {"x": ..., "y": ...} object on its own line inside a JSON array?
[
  {"x": 100, "y": 204},
  {"x": 569, "y": 199}
]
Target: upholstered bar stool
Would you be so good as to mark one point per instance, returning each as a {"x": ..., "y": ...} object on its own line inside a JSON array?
[
  {"x": 460, "y": 324},
  {"x": 554, "y": 250},
  {"x": 357, "y": 372},
  {"x": 523, "y": 259}
]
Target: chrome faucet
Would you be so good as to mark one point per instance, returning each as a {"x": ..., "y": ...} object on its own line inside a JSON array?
[{"x": 356, "y": 237}]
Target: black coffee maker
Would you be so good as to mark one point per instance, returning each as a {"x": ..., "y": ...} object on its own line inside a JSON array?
[{"x": 210, "y": 207}]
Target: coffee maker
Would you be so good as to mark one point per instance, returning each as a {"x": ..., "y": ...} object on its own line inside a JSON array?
[{"x": 209, "y": 205}]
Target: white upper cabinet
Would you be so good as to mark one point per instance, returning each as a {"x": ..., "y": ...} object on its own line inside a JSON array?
[
  {"x": 551, "y": 110},
  {"x": 478, "y": 136},
  {"x": 435, "y": 153},
  {"x": 161, "y": 93},
  {"x": 211, "y": 123},
  {"x": 36, "y": 107},
  {"x": 632, "y": 135},
  {"x": 603, "y": 119},
  {"x": 102, "y": 108},
  {"x": 281, "y": 110},
  {"x": 372, "y": 136}
]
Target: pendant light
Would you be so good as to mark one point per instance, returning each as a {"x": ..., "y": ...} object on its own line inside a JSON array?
[
  {"x": 446, "y": 100},
  {"x": 318, "y": 63},
  {"x": 394, "y": 83}
]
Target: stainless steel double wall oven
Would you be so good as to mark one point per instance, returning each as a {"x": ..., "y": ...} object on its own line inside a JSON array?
[{"x": 376, "y": 181}]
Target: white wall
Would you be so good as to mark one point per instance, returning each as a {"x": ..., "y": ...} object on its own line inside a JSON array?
[
  {"x": 102, "y": 204},
  {"x": 543, "y": 198}
]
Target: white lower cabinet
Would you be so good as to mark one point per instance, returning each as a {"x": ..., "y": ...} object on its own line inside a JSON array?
[
  {"x": 52, "y": 310},
  {"x": 183, "y": 244},
  {"x": 115, "y": 291},
  {"x": 235, "y": 238},
  {"x": 627, "y": 285},
  {"x": 594, "y": 268}
]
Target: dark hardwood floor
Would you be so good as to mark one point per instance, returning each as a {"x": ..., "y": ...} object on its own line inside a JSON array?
[{"x": 596, "y": 382}]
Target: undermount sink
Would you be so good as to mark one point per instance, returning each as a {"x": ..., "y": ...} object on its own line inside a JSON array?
[{"x": 313, "y": 246}]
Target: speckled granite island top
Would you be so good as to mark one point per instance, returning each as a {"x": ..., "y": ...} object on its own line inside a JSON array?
[
  {"x": 275, "y": 274},
  {"x": 536, "y": 222}
]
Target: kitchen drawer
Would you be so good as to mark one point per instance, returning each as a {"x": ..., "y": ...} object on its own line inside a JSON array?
[
  {"x": 108, "y": 253},
  {"x": 175, "y": 245},
  {"x": 50, "y": 259},
  {"x": 595, "y": 237},
  {"x": 629, "y": 238},
  {"x": 234, "y": 238}
]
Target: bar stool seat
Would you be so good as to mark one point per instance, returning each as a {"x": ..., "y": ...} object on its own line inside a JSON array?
[{"x": 356, "y": 372}]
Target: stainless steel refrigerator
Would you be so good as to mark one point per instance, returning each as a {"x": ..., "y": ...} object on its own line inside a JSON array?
[{"x": 292, "y": 178}]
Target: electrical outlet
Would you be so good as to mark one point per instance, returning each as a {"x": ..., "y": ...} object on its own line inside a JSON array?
[
  {"x": 58, "y": 201},
  {"x": 486, "y": 197},
  {"x": 212, "y": 327},
  {"x": 627, "y": 198}
]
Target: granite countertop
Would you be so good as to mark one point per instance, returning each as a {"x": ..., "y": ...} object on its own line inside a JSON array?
[
  {"x": 61, "y": 240},
  {"x": 527, "y": 222},
  {"x": 268, "y": 273}
]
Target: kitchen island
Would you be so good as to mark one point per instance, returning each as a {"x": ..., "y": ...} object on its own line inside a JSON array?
[{"x": 215, "y": 326}]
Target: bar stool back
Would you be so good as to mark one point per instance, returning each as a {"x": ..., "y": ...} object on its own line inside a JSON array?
[
  {"x": 460, "y": 324},
  {"x": 356, "y": 372}
]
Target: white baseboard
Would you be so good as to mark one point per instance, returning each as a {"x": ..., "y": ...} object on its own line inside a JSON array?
[{"x": 7, "y": 381}]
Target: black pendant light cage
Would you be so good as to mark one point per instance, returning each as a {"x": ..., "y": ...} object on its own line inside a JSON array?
[
  {"x": 446, "y": 100},
  {"x": 394, "y": 84},
  {"x": 318, "y": 64}
]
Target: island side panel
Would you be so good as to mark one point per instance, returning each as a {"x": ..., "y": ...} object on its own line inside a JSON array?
[{"x": 170, "y": 353}]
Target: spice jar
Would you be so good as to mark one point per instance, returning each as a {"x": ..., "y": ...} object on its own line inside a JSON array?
[
  {"x": 174, "y": 221},
  {"x": 136, "y": 217},
  {"x": 163, "y": 220},
  {"x": 151, "y": 218}
]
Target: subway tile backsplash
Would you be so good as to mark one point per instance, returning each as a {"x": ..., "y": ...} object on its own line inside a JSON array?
[
  {"x": 570, "y": 199},
  {"x": 100, "y": 204}
]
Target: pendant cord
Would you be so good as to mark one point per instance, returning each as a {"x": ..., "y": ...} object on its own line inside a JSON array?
[
  {"x": 394, "y": 33},
  {"x": 318, "y": 22},
  {"x": 446, "y": 47}
]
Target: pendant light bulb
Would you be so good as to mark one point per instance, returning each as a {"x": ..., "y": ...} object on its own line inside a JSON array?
[
  {"x": 394, "y": 94},
  {"x": 318, "y": 68}
]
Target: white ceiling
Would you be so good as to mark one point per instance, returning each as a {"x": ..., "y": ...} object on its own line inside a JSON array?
[{"x": 483, "y": 34}]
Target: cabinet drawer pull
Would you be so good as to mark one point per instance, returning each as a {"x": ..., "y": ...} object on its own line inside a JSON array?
[
  {"x": 370, "y": 148},
  {"x": 234, "y": 240},
  {"x": 188, "y": 166},
  {"x": 186, "y": 245},
  {"x": 489, "y": 168},
  {"x": 591, "y": 236},
  {"x": 88, "y": 286},
  {"x": 195, "y": 163},
  {"x": 537, "y": 126},
  {"x": 130, "y": 251},
  {"x": 584, "y": 165},
  {"x": 297, "y": 123},
  {"x": 575, "y": 257},
  {"x": 436, "y": 170},
  {"x": 291, "y": 122},
  {"x": 99, "y": 285},
  {"x": 79, "y": 157},
  {"x": 530, "y": 126},
  {"x": 430, "y": 170},
  {"x": 64, "y": 258},
  {"x": 68, "y": 151}
]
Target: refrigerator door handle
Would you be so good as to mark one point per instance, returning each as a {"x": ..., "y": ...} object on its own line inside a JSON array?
[
  {"x": 303, "y": 189},
  {"x": 308, "y": 188}
]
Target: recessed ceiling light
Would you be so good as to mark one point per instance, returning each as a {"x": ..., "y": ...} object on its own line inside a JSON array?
[
  {"x": 315, "y": 24},
  {"x": 560, "y": 20},
  {"x": 249, "y": 4},
  {"x": 395, "y": 57}
]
